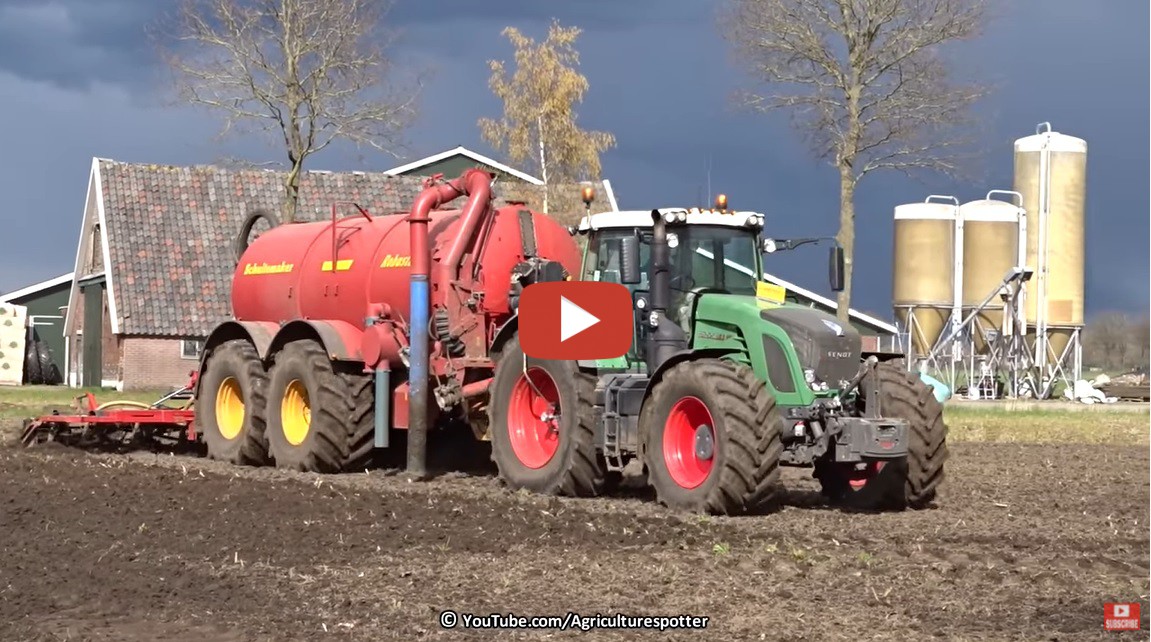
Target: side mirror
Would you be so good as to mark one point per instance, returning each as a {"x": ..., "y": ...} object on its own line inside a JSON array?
[
  {"x": 629, "y": 260},
  {"x": 835, "y": 269}
]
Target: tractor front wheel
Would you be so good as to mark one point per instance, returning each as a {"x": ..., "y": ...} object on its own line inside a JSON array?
[
  {"x": 712, "y": 438},
  {"x": 901, "y": 483},
  {"x": 230, "y": 405},
  {"x": 542, "y": 426},
  {"x": 318, "y": 420}
]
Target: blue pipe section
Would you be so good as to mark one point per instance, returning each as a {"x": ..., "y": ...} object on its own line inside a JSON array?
[
  {"x": 418, "y": 367},
  {"x": 383, "y": 406}
]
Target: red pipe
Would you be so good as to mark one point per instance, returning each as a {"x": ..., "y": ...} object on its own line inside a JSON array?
[
  {"x": 432, "y": 197},
  {"x": 477, "y": 184}
]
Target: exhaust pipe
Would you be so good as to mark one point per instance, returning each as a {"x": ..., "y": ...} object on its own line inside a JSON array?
[{"x": 667, "y": 337}]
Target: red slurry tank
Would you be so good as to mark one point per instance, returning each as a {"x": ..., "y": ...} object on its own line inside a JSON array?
[{"x": 293, "y": 272}]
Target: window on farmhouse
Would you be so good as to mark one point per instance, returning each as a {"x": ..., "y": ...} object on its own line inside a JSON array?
[{"x": 191, "y": 348}]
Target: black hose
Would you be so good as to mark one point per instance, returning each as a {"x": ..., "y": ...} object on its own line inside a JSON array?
[{"x": 241, "y": 243}]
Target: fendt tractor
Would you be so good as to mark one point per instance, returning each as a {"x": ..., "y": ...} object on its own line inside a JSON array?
[{"x": 346, "y": 331}]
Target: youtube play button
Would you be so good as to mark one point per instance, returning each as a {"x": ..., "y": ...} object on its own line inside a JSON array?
[{"x": 576, "y": 320}]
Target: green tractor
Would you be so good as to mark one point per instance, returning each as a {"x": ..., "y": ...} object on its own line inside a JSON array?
[{"x": 726, "y": 381}]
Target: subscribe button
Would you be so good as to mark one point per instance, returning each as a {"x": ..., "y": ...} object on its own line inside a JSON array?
[{"x": 575, "y": 320}]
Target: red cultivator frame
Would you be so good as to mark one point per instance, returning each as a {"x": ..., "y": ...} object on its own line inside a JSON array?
[{"x": 169, "y": 418}]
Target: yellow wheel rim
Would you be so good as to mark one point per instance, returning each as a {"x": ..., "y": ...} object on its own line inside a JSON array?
[
  {"x": 230, "y": 408},
  {"x": 295, "y": 413}
]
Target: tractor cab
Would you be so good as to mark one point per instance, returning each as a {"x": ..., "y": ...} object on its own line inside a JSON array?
[
  {"x": 712, "y": 253},
  {"x": 708, "y": 251}
]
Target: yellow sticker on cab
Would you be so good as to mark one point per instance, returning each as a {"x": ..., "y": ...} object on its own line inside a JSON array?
[{"x": 770, "y": 292}]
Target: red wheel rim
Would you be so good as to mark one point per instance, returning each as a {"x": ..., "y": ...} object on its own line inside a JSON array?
[
  {"x": 533, "y": 418},
  {"x": 689, "y": 442},
  {"x": 857, "y": 479}
]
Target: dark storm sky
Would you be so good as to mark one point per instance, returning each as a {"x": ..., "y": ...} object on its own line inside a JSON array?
[{"x": 78, "y": 79}]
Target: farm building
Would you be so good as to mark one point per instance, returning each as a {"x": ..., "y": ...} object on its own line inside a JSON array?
[
  {"x": 46, "y": 302},
  {"x": 454, "y": 161},
  {"x": 154, "y": 263},
  {"x": 877, "y": 333}
]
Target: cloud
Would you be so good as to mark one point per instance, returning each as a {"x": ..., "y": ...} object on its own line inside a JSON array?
[
  {"x": 597, "y": 15},
  {"x": 74, "y": 43},
  {"x": 79, "y": 79}
]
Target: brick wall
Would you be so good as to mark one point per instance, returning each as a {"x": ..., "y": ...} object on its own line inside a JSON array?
[{"x": 151, "y": 362}]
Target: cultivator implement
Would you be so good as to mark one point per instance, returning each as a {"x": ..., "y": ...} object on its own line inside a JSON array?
[{"x": 169, "y": 418}]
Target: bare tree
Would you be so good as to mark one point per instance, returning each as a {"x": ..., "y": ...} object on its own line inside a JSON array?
[
  {"x": 1139, "y": 343},
  {"x": 1114, "y": 341},
  {"x": 309, "y": 71},
  {"x": 864, "y": 81},
  {"x": 538, "y": 128}
]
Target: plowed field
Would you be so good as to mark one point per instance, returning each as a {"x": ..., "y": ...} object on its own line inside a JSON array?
[{"x": 1027, "y": 543}]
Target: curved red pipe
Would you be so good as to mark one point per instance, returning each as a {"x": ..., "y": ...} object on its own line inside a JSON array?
[{"x": 477, "y": 185}]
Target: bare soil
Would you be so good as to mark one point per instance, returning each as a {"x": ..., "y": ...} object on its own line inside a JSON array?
[{"x": 1027, "y": 543}]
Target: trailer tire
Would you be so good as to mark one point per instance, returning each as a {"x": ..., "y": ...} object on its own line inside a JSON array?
[
  {"x": 361, "y": 420},
  {"x": 523, "y": 449},
  {"x": 900, "y": 484},
  {"x": 309, "y": 410},
  {"x": 739, "y": 472},
  {"x": 234, "y": 369}
]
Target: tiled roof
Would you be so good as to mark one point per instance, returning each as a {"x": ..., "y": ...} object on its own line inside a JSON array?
[{"x": 170, "y": 232}]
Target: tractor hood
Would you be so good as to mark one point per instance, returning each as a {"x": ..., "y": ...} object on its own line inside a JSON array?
[{"x": 822, "y": 343}]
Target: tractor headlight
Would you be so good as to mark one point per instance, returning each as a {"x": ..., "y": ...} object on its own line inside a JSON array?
[
  {"x": 681, "y": 217},
  {"x": 669, "y": 217},
  {"x": 809, "y": 376}
]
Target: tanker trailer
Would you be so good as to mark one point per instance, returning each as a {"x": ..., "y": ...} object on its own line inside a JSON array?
[{"x": 342, "y": 328}]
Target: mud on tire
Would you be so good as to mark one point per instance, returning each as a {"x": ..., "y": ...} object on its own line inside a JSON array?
[
  {"x": 319, "y": 416},
  {"x": 233, "y": 373},
  {"x": 900, "y": 484},
  {"x": 743, "y": 474},
  {"x": 533, "y": 454}
]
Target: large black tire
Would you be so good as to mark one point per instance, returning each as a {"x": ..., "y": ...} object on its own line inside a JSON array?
[
  {"x": 32, "y": 372},
  {"x": 243, "y": 238},
  {"x": 573, "y": 468},
  {"x": 335, "y": 432},
  {"x": 901, "y": 484},
  {"x": 49, "y": 372},
  {"x": 360, "y": 391},
  {"x": 233, "y": 367},
  {"x": 742, "y": 474}
]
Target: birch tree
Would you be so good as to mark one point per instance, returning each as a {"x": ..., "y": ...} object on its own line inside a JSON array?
[
  {"x": 538, "y": 129},
  {"x": 310, "y": 72},
  {"x": 865, "y": 83}
]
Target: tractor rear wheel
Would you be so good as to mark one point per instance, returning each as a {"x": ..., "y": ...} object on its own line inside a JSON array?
[
  {"x": 542, "y": 425},
  {"x": 230, "y": 404},
  {"x": 712, "y": 438},
  {"x": 316, "y": 415},
  {"x": 900, "y": 483}
]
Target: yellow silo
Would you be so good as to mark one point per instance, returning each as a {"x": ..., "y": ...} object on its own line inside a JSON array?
[
  {"x": 923, "y": 269},
  {"x": 991, "y": 249},
  {"x": 1051, "y": 174}
]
